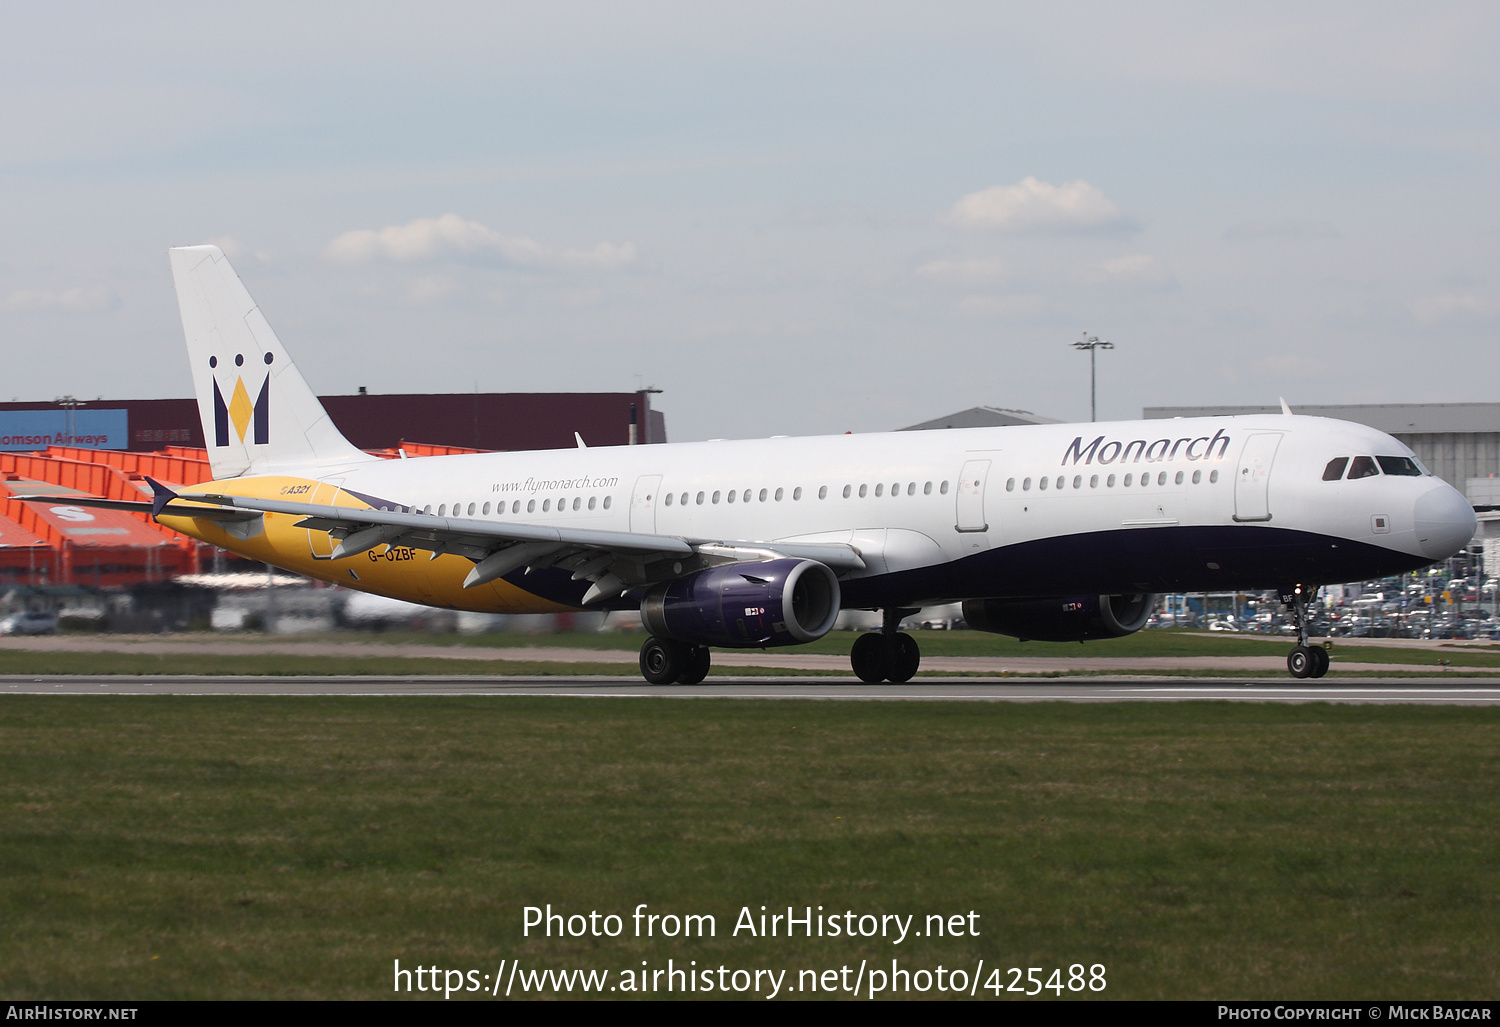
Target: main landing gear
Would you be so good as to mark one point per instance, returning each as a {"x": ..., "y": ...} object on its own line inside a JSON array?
[
  {"x": 889, "y": 655},
  {"x": 1305, "y": 661},
  {"x": 666, "y": 661}
]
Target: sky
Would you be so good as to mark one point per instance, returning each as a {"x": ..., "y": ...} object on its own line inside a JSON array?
[{"x": 791, "y": 218}]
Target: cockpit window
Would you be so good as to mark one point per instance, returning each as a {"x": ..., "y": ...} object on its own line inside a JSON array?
[
  {"x": 1363, "y": 467},
  {"x": 1335, "y": 469},
  {"x": 1400, "y": 465}
]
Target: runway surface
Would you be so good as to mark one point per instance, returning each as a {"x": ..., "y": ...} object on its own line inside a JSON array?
[{"x": 1433, "y": 691}]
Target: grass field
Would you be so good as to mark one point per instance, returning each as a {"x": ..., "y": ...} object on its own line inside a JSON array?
[{"x": 160, "y": 847}]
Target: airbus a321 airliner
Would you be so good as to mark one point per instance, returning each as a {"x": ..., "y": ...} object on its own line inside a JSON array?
[{"x": 1053, "y": 532}]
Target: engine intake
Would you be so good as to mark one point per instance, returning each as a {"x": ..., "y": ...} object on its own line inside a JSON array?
[
  {"x": 1063, "y": 619},
  {"x": 773, "y": 602}
]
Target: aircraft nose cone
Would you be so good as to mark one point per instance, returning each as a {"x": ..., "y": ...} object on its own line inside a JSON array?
[{"x": 1445, "y": 522}]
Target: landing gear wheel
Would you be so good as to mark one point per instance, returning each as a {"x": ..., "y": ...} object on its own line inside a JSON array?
[
  {"x": 870, "y": 658},
  {"x": 906, "y": 656},
  {"x": 1302, "y": 662},
  {"x": 696, "y": 667},
  {"x": 1321, "y": 660},
  {"x": 662, "y": 660}
]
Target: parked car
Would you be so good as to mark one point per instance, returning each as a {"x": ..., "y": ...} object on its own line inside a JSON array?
[{"x": 29, "y": 622}]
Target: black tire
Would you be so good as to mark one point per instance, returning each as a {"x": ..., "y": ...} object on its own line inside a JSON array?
[
  {"x": 906, "y": 657},
  {"x": 698, "y": 662},
  {"x": 662, "y": 660},
  {"x": 870, "y": 658},
  {"x": 1301, "y": 662},
  {"x": 1322, "y": 659}
]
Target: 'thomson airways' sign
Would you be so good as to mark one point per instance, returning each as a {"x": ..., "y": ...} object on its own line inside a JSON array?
[
  {"x": 1114, "y": 451},
  {"x": 38, "y": 429}
]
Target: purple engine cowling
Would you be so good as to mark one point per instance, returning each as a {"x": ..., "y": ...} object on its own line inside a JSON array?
[
  {"x": 1063, "y": 619},
  {"x": 773, "y": 602}
]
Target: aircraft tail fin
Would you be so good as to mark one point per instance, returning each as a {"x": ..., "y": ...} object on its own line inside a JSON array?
[{"x": 259, "y": 415}]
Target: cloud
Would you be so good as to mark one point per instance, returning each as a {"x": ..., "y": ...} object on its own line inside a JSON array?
[
  {"x": 1032, "y": 205},
  {"x": 1452, "y": 306},
  {"x": 76, "y": 300},
  {"x": 1134, "y": 269},
  {"x": 968, "y": 270},
  {"x": 451, "y": 238},
  {"x": 429, "y": 288},
  {"x": 1252, "y": 230}
]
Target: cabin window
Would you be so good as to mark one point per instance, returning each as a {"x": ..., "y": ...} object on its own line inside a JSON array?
[
  {"x": 442, "y": 509},
  {"x": 1213, "y": 476},
  {"x": 733, "y": 495},
  {"x": 1335, "y": 469},
  {"x": 1197, "y": 477},
  {"x": 797, "y": 493},
  {"x": 863, "y": 490},
  {"x": 681, "y": 502},
  {"x": 778, "y": 494},
  {"x": 1129, "y": 480},
  {"x": 879, "y": 489},
  {"x": 715, "y": 496},
  {"x": 1178, "y": 479},
  {"x": 1078, "y": 481},
  {"x": 1161, "y": 479},
  {"x": 1404, "y": 466},
  {"x": 911, "y": 488},
  {"x": 943, "y": 488},
  {"x": 486, "y": 510},
  {"x": 577, "y": 502},
  {"x": 531, "y": 506},
  {"x": 669, "y": 501},
  {"x": 700, "y": 499},
  {"x": 895, "y": 488},
  {"x": 1010, "y": 485},
  {"x": 1094, "y": 481},
  {"x": 1109, "y": 482},
  {"x": 847, "y": 489},
  {"x": 1363, "y": 467},
  {"x": 606, "y": 500},
  {"x": 593, "y": 499},
  {"x": 1042, "y": 484},
  {"x": 471, "y": 510},
  {"x": 762, "y": 496},
  {"x": 822, "y": 491},
  {"x": 927, "y": 489},
  {"x": 1026, "y": 485}
]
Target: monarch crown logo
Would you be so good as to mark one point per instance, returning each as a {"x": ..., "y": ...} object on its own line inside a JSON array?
[{"x": 239, "y": 411}]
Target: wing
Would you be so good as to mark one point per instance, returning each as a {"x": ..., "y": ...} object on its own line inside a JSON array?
[
  {"x": 168, "y": 509},
  {"x": 613, "y": 561}
]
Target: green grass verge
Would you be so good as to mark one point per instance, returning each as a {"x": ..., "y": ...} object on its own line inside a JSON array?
[{"x": 288, "y": 848}]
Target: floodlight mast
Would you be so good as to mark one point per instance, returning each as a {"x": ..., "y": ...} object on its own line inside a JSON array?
[{"x": 1092, "y": 343}]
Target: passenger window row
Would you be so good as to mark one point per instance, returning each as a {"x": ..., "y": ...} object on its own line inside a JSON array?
[
  {"x": 1371, "y": 466},
  {"x": 1061, "y": 481},
  {"x": 564, "y": 503},
  {"x": 750, "y": 495}
]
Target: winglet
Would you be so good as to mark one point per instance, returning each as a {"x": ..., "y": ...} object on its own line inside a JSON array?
[
  {"x": 581, "y": 444},
  {"x": 1284, "y": 408},
  {"x": 160, "y": 496}
]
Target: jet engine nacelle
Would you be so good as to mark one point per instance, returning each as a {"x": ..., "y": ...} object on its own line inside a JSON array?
[
  {"x": 773, "y": 602},
  {"x": 1064, "y": 619}
]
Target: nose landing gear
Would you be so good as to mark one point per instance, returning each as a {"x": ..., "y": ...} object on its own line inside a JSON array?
[
  {"x": 890, "y": 655},
  {"x": 1304, "y": 661}
]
